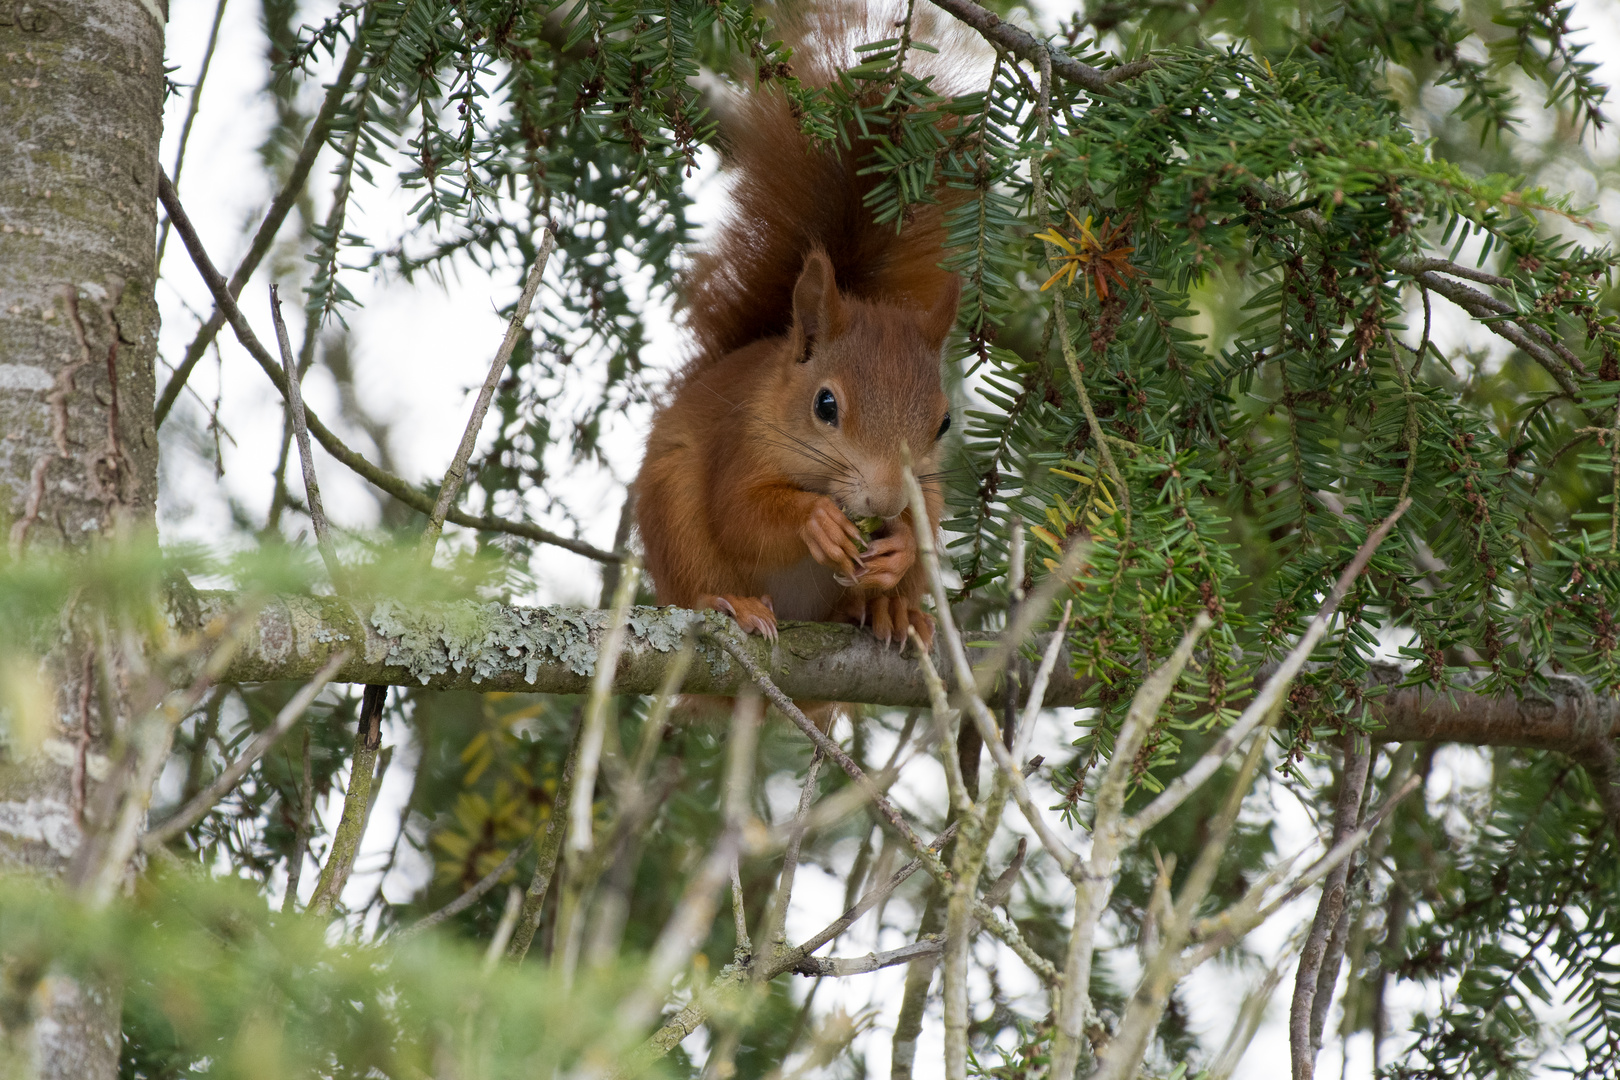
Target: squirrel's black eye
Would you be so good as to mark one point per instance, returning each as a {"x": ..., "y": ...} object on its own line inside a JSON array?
[
  {"x": 826, "y": 407},
  {"x": 944, "y": 426}
]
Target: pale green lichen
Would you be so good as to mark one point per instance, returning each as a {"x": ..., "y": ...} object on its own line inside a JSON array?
[{"x": 491, "y": 640}]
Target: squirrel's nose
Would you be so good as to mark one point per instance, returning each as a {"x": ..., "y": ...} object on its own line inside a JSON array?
[{"x": 877, "y": 502}]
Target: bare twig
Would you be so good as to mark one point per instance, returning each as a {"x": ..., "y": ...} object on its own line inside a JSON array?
[
  {"x": 596, "y": 710},
  {"x": 1176, "y": 792},
  {"x": 819, "y": 739},
  {"x": 471, "y": 896},
  {"x": 306, "y": 811},
  {"x": 967, "y": 685},
  {"x": 739, "y": 917},
  {"x": 839, "y": 967},
  {"x": 192, "y": 106},
  {"x": 545, "y": 864},
  {"x": 1007, "y": 933},
  {"x": 290, "y": 714},
  {"x": 945, "y": 723},
  {"x": 1026, "y": 46},
  {"x": 284, "y": 201},
  {"x": 295, "y": 412},
  {"x": 776, "y": 920},
  {"x": 694, "y": 913},
  {"x": 1220, "y": 931},
  {"x": 379, "y": 478},
  {"x": 653, "y": 730},
  {"x": 1094, "y": 877},
  {"x": 1250, "y": 1013},
  {"x": 503, "y": 929},
  {"x": 457, "y": 472},
  {"x": 873, "y": 897},
  {"x": 1130, "y": 1042},
  {"x": 1037, "y": 689},
  {"x": 356, "y": 804},
  {"x": 1303, "y": 1034},
  {"x": 100, "y": 862}
]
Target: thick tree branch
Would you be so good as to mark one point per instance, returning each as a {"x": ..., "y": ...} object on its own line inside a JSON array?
[{"x": 467, "y": 645}]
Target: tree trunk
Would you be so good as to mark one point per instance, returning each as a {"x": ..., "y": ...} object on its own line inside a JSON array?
[{"x": 81, "y": 107}]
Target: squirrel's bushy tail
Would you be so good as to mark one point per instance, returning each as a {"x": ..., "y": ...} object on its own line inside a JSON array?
[{"x": 789, "y": 196}]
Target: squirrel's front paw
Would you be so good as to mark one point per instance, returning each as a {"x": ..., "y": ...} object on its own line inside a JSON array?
[
  {"x": 832, "y": 538},
  {"x": 887, "y": 560},
  {"x": 754, "y": 614}
]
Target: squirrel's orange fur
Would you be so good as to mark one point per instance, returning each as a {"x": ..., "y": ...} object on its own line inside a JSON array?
[{"x": 818, "y": 338}]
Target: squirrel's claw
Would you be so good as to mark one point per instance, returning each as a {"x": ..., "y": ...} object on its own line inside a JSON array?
[
  {"x": 888, "y": 560},
  {"x": 754, "y": 614},
  {"x": 894, "y": 616},
  {"x": 832, "y": 539}
]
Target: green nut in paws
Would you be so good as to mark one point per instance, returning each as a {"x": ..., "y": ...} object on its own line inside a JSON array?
[{"x": 869, "y": 527}]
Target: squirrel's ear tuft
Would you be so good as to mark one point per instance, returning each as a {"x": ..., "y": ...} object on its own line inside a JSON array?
[
  {"x": 818, "y": 311},
  {"x": 937, "y": 323}
]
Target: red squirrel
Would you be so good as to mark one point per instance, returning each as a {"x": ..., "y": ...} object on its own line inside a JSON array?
[{"x": 818, "y": 341}]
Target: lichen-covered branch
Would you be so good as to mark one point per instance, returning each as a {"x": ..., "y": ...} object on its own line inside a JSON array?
[{"x": 468, "y": 645}]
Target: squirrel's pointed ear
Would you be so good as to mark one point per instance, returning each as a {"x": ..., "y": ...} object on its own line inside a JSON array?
[
  {"x": 937, "y": 323},
  {"x": 818, "y": 311}
]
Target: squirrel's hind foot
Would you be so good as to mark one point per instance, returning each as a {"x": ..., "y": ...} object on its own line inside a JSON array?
[
  {"x": 889, "y": 616},
  {"x": 755, "y": 614}
]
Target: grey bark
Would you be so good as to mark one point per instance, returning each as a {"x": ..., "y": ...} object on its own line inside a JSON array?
[
  {"x": 81, "y": 109},
  {"x": 475, "y": 646}
]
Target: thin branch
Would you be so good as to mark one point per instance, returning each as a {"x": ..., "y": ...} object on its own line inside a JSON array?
[
  {"x": 819, "y": 739},
  {"x": 295, "y": 411},
  {"x": 306, "y": 811},
  {"x": 739, "y": 917},
  {"x": 457, "y": 472},
  {"x": 945, "y": 720},
  {"x": 839, "y": 966},
  {"x": 874, "y": 896},
  {"x": 967, "y": 684},
  {"x": 290, "y": 714},
  {"x": 356, "y": 804},
  {"x": 503, "y": 929},
  {"x": 1220, "y": 931},
  {"x": 1250, "y": 1013},
  {"x": 1094, "y": 877},
  {"x": 776, "y": 920},
  {"x": 1037, "y": 689},
  {"x": 1303, "y": 1033},
  {"x": 694, "y": 913},
  {"x": 1264, "y": 702},
  {"x": 1004, "y": 931},
  {"x": 1026, "y": 46},
  {"x": 1446, "y": 266},
  {"x": 1489, "y": 312},
  {"x": 596, "y": 710},
  {"x": 545, "y": 864},
  {"x": 1131, "y": 1039},
  {"x": 379, "y": 478},
  {"x": 99, "y": 864},
  {"x": 653, "y": 730},
  {"x": 471, "y": 896},
  {"x": 192, "y": 106},
  {"x": 284, "y": 201}
]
